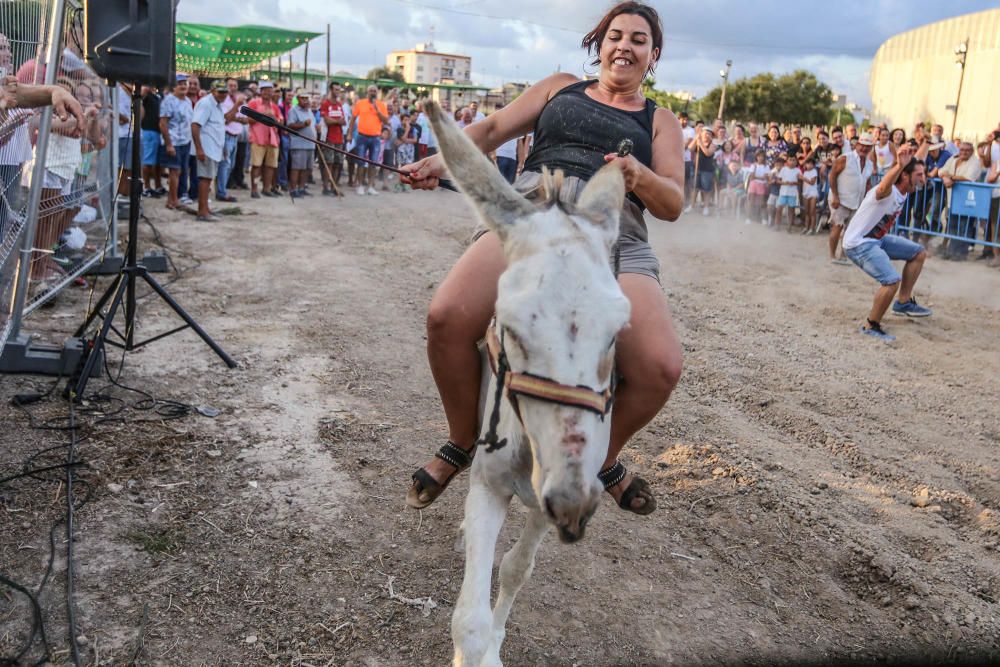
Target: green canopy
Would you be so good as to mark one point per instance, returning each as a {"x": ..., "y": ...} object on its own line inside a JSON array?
[{"x": 220, "y": 50}]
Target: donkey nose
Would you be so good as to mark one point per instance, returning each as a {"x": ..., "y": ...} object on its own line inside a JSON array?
[{"x": 570, "y": 514}]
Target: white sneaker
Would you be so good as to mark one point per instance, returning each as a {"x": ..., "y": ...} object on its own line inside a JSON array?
[
  {"x": 748, "y": 221},
  {"x": 687, "y": 209},
  {"x": 361, "y": 190},
  {"x": 187, "y": 201},
  {"x": 704, "y": 211},
  {"x": 372, "y": 191}
]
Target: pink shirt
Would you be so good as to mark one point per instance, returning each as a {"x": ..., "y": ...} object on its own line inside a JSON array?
[{"x": 260, "y": 134}]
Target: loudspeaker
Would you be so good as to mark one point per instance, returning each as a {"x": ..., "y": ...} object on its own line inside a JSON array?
[{"x": 131, "y": 41}]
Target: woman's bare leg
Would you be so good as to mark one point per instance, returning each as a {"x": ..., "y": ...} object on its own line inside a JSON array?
[
  {"x": 650, "y": 359},
  {"x": 458, "y": 316}
]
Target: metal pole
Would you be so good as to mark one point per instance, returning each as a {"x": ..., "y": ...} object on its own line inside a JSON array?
[
  {"x": 725, "y": 81},
  {"x": 38, "y": 170},
  {"x": 115, "y": 161},
  {"x": 327, "y": 54},
  {"x": 961, "y": 79},
  {"x": 305, "y": 68}
]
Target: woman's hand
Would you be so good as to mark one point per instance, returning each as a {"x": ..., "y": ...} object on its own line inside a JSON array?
[
  {"x": 631, "y": 169},
  {"x": 424, "y": 174}
]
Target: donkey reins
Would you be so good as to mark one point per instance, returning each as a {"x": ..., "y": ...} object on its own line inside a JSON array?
[{"x": 535, "y": 386}]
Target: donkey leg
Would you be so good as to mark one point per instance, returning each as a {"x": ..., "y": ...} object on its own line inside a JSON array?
[
  {"x": 515, "y": 569},
  {"x": 470, "y": 624}
]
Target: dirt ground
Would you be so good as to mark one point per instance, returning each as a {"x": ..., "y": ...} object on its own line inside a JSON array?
[{"x": 822, "y": 496}]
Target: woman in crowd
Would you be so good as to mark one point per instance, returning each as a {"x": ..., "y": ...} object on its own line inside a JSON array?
[
  {"x": 754, "y": 142},
  {"x": 757, "y": 187},
  {"x": 774, "y": 145}
]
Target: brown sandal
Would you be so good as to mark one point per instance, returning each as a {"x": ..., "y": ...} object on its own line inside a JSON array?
[
  {"x": 639, "y": 488},
  {"x": 423, "y": 483}
]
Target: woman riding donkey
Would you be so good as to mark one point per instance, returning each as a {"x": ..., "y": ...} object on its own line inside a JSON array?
[{"x": 578, "y": 127}]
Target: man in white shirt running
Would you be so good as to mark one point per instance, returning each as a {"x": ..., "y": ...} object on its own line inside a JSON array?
[{"x": 868, "y": 243}]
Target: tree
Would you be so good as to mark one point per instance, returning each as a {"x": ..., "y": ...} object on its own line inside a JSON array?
[
  {"x": 385, "y": 73},
  {"x": 798, "y": 97},
  {"x": 662, "y": 98}
]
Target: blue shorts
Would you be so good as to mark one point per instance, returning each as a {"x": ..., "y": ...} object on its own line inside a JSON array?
[
  {"x": 150, "y": 147},
  {"x": 367, "y": 147},
  {"x": 176, "y": 161},
  {"x": 706, "y": 181},
  {"x": 788, "y": 200},
  {"x": 875, "y": 257},
  {"x": 125, "y": 152}
]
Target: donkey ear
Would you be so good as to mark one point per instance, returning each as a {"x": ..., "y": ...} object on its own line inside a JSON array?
[
  {"x": 602, "y": 199},
  {"x": 498, "y": 203}
]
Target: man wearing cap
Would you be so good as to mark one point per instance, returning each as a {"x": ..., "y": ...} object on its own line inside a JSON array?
[
  {"x": 868, "y": 243},
  {"x": 263, "y": 142},
  {"x": 175, "y": 128},
  {"x": 369, "y": 115},
  {"x": 300, "y": 155},
  {"x": 208, "y": 132},
  {"x": 234, "y": 129},
  {"x": 850, "y": 179},
  {"x": 331, "y": 112}
]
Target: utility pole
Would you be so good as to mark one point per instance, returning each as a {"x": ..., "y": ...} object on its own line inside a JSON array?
[
  {"x": 961, "y": 51},
  {"x": 725, "y": 80},
  {"x": 327, "y": 55},
  {"x": 305, "y": 69}
]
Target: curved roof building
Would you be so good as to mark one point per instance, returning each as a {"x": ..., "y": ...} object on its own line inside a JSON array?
[{"x": 915, "y": 76}]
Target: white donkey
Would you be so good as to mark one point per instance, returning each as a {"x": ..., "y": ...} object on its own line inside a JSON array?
[{"x": 548, "y": 405}]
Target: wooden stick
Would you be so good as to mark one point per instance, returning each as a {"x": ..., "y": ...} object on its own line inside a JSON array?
[{"x": 329, "y": 174}]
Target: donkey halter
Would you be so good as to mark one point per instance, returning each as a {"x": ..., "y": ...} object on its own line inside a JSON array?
[{"x": 516, "y": 384}]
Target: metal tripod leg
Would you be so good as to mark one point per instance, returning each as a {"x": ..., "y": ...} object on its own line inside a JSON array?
[
  {"x": 151, "y": 281},
  {"x": 94, "y": 354}
]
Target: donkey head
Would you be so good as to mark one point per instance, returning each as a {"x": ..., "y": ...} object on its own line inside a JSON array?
[{"x": 558, "y": 311}]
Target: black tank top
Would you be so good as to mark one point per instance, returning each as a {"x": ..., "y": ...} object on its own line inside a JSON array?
[{"x": 575, "y": 132}]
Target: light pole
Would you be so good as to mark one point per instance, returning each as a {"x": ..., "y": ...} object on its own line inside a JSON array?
[
  {"x": 724, "y": 73},
  {"x": 961, "y": 51}
]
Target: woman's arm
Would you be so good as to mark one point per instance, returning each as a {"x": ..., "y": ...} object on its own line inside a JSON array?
[
  {"x": 661, "y": 188},
  {"x": 515, "y": 119}
]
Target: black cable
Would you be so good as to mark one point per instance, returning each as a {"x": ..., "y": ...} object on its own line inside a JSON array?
[{"x": 70, "y": 469}]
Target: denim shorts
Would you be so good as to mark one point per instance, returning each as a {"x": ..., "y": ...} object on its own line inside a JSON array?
[
  {"x": 875, "y": 257},
  {"x": 706, "y": 181},
  {"x": 367, "y": 147},
  {"x": 788, "y": 200},
  {"x": 177, "y": 161},
  {"x": 150, "y": 147}
]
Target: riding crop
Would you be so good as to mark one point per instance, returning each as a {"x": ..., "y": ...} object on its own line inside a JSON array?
[{"x": 272, "y": 122}]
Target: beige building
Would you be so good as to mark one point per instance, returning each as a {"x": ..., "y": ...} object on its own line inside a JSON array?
[
  {"x": 425, "y": 65},
  {"x": 915, "y": 76}
]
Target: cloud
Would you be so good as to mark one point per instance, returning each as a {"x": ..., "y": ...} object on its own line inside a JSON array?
[{"x": 837, "y": 43}]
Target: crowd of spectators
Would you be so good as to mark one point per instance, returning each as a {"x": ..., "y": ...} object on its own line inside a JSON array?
[{"x": 807, "y": 179}]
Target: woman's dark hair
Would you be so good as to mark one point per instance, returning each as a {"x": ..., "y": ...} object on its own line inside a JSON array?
[
  {"x": 895, "y": 130},
  {"x": 592, "y": 40}
]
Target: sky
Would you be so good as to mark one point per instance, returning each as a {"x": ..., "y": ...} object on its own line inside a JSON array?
[{"x": 525, "y": 40}]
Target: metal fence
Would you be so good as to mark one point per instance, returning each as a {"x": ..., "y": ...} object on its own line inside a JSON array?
[
  {"x": 966, "y": 214},
  {"x": 57, "y": 212}
]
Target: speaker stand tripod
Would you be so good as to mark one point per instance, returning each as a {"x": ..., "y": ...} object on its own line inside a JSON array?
[{"x": 122, "y": 292}]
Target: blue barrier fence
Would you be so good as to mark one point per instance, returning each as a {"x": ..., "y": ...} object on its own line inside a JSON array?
[{"x": 967, "y": 214}]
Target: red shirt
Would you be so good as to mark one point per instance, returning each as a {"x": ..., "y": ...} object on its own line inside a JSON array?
[{"x": 334, "y": 133}]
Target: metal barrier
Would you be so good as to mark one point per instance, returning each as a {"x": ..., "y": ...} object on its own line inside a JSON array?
[
  {"x": 966, "y": 214},
  {"x": 57, "y": 212}
]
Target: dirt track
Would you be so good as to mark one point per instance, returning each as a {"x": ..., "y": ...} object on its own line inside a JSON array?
[{"x": 821, "y": 495}]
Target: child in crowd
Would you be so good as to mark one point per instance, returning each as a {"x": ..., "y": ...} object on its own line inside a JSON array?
[
  {"x": 774, "y": 182},
  {"x": 810, "y": 193},
  {"x": 757, "y": 187},
  {"x": 788, "y": 194},
  {"x": 386, "y": 156},
  {"x": 733, "y": 181}
]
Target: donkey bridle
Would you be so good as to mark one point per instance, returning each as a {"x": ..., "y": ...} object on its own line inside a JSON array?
[{"x": 516, "y": 384}]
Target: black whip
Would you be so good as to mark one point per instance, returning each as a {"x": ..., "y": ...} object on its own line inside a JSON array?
[{"x": 273, "y": 122}]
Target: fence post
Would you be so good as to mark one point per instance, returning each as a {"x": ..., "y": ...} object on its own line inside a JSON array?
[{"x": 52, "y": 60}]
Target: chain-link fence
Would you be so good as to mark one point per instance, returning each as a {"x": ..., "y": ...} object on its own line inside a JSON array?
[{"x": 70, "y": 173}]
